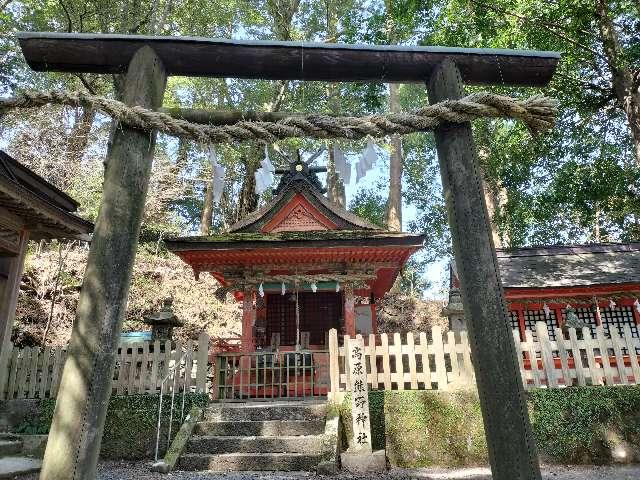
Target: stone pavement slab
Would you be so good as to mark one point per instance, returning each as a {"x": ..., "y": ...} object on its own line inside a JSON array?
[{"x": 10, "y": 467}]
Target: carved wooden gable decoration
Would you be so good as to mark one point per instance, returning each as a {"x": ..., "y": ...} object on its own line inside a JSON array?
[
  {"x": 299, "y": 205},
  {"x": 299, "y": 215}
]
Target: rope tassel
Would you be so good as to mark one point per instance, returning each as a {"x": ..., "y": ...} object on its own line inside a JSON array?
[{"x": 537, "y": 112}]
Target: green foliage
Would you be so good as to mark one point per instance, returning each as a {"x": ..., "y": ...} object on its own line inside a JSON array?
[
  {"x": 130, "y": 426},
  {"x": 576, "y": 424},
  {"x": 422, "y": 428},
  {"x": 578, "y": 183},
  {"x": 570, "y": 425},
  {"x": 370, "y": 205}
]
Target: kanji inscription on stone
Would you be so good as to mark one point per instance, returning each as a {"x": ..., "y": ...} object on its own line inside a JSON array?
[{"x": 359, "y": 396}]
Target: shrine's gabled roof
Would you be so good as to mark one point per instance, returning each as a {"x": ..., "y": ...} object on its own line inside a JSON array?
[
  {"x": 43, "y": 209},
  {"x": 301, "y": 183},
  {"x": 570, "y": 266},
  {"x": 321, "y": 238},
  {"x": 300, "y": 228}
]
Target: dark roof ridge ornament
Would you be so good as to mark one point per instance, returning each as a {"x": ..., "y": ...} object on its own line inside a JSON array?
[{"x": 299, "y": 171}]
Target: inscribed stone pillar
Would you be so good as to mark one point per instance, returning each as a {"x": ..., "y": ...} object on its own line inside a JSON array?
[
  {"x": 361, "y": 423},
  {"x": 85, "y": 387},
  {"x": 349, "y": 311},
  {"x": 512, "y": 450}
]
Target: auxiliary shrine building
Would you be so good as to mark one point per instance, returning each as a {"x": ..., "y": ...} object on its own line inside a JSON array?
[
  {"x": 600, "y": 282},
  {"x": 301, "y": 265}
]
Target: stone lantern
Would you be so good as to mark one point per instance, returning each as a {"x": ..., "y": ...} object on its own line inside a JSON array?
[
  {"x": 163, "y": 321},
  {"x": 454, "y": 311}
]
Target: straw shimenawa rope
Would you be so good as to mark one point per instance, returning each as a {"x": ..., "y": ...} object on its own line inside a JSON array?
[{"x": 537, "y": 112}]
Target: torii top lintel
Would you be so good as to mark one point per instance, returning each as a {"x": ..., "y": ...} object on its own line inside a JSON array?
[{"x": 274, "y": 60}]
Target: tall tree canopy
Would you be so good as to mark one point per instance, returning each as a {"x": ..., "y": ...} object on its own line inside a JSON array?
[{"x": 579, "y": 183}]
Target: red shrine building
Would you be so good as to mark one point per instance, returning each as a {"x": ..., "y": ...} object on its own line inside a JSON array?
[
  {"x": 601, "y": 282},
  {"x": 301, "y": 265}
]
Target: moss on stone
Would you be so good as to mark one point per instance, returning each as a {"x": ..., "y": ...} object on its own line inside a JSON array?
[
  {"x": 182, "y": 437},
  {"x": 571, "y": 425},
  {"x": 130, "y": 426},
  {"x": 291, "y": 236}
]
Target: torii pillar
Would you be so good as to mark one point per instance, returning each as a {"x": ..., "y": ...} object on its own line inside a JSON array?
[
  {"x": 512, "y": 450},
  {"x": 81, "y": 406}
]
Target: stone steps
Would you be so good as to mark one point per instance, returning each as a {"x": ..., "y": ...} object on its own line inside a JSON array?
[
  {"x": 11, "y": 467},
  {"x": 249, "y": 462},
  {"x": 10, "y": 446},
  {"x": 12, "y": 464},
  {"x": 231, "y": 413},
  {"x": 260, "y": 428},
  {"x": 282, "y": 436},
  {"x": 311, "y": 444}
]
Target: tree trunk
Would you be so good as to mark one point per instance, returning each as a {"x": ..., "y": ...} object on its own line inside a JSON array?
[
  {"x": 394, "y": 202},
  {"x": 79, "y": 137},
  {"x": 626, "y": 89},
  {"x": 248, "y": 201},
  {"x": 207, "y": 209},
  {"x": 85, "y": 387},
  {"x": 335, "y": 185}
]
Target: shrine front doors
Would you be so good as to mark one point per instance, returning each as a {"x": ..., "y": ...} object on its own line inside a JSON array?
[{"x": 319, "y": 312}]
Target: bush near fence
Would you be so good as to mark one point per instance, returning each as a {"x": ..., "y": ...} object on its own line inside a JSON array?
[
  {"x": 578, "y": 425},
  {"x": 130, "y": 426}
]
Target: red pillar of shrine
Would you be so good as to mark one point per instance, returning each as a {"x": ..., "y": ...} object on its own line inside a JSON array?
[
  {"x": 248, "y": 320},
  {"x": 349, "y": 311}
]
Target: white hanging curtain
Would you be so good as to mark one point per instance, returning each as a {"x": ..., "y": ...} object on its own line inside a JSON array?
[
  {"x": 367, "y": 160},
  {"x": 343, "y": 167},
  {"x": 264, "y": 175},
  {"x": 218, "y": 175}
]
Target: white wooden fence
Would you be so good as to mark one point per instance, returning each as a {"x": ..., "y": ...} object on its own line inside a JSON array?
[
  {"x": 414, "y": 361},
  {"x": 431, "y": 360},
  {"x": 578, "y": 358},
  {"x": 140, "y": 368}
]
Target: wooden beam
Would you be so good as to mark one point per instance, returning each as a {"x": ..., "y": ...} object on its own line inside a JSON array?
[
  {"x": 81, "y": 406},
  {"x": 512, "y": 449},
  {"x": 270, "y": 60},
  {"x": 9, "y": 301}
]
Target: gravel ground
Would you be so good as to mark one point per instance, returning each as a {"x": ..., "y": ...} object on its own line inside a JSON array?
[{"x": 140, "y": 471}]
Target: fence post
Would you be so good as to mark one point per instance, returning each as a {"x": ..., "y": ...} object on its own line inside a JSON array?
[
  {"x": 5, "y": 363},
  {"x": 632, "y": 344},
  {"x": 564, "y": 357},
  {"x": 548, "y": 364},
  {"x": 438, "y": 352},
  {"x": 203, "y": 356},
  {"x": 334, "y": 365}
]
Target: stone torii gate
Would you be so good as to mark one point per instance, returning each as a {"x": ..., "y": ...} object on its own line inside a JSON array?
[{"x": 76, "y": 432}]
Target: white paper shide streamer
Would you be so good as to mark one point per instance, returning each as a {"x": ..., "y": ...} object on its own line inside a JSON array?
[
  {"x": 219, "y": 173},
  {"x": 264, "y": 175},
  {"x": 367, "y": 160},
  {"x": 343, "y": 167}
]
